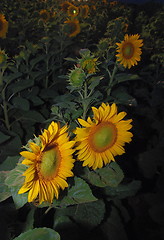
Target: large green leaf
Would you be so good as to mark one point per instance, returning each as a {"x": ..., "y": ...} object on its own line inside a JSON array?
[
  {"x": 110, "y": 175},
  {"x": 4, "y": 190},
  {"x": 9, "y": 163},
  {"x": 21, "y": 103},
  {"x": 3, "y": 137},
  {"x": 123, "y": 190},
  {"x": 39, "y": 234},
  {"x": 79, "y": 193}
]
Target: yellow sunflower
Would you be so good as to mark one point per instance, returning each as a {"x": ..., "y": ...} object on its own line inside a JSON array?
[
  {"x": 72, "y": 11},
  {"x": 3, "y": 26},
  {"x": 103, "y": 137},
  {"x": 44, "y": 15},
  {"x": 50, "y": 163},
  {"x": 72, "y": 27},
  {"x": 129, "y": 50}
]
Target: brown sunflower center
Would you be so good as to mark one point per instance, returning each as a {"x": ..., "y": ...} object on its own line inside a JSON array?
[
  {"x": 49, "y": 164},
  {"x": 128, "y": 50},
  {"x": 103, "y": 136}
]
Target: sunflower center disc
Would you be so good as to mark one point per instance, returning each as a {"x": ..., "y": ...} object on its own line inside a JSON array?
[
  {"x": 104, "y": 137},
  {"x": 128, "y": 50},
  {"x": 49, "y": 162}
]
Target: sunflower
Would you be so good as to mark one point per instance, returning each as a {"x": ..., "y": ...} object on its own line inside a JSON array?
[
  {"x": 72, "y": 27},
  {"x": 72, "y": 11},
  {"x": 44, "y": 15},
  {"x": 50, "y": 162},
  {"x": 84, "y": 10},
  {"x": 129, "y": 50},
  {"x": 3, "y": 26},
  {"x": 65, "y": 6},
  {"x": 103, "y": 137}
]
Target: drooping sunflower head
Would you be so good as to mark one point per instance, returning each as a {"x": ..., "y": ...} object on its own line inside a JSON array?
[
  {"x": 72, "y": 11},
  {"x": 44, "y": 15},
  {"x": 3, "y": 26},
  {"x": 49, "y": 160},
  {"x": 84, "y": 10},
  {"x": 76, "y": 77},
  {"x": 129, "y": 50},
  {"x": 102, "y": 138},
  {"x": 71, "y": 27},
  {"x": 65, "y": 6}
]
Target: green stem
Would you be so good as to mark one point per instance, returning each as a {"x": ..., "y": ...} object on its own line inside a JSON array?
[
  {"x": 46, "y": 83},
  {"x": 5, "y": 110},
  {"x": 85, "y": 104},
  {"x": 111, "y": 79}
]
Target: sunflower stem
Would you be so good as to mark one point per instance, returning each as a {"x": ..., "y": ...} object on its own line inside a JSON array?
[
  {"x": 5, "y": 111},
  {"x": 84, "y": 102},
  {"x": 111, "y": 79}
]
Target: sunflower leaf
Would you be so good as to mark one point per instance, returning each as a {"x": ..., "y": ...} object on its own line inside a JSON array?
[
  {"x": 39, "y": 233},
  {"x": 15, "y": 177},
  {"x": 4, "y": 190},
  {"x": 79, "y": 193},
  {"x": 110, "y": 175}
]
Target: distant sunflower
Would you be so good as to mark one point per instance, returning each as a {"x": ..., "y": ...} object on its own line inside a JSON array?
[
  {"x": 44, "y": 15},
  {"x": 72, "y": 11},
  {"x": 3, "y": 26},
  {"x": 103, "y": 137},
  {"x": 72, "y": 27},
  {"x": 84, "y": 10},
  {"x": 65, "y": 5},
  {"x": 129, "y": 50},
  {"x": 50, "y": 163}
]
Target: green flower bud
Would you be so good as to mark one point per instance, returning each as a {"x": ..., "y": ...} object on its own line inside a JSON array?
[{"x": 76, "y": 77}]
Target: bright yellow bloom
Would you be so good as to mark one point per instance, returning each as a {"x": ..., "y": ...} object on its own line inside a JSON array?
[
  {"x": 44, "y": 15},
  {"x": 129, "y": 50},
  {"x": 90, "y": 65},
  {"x": 103, "y": 137},
  {"x": 72, "y": 11},
  {"x": 3, "y": 26},
  {"x": 50, "y": 163},
  {"x": 72, "y": 27}
]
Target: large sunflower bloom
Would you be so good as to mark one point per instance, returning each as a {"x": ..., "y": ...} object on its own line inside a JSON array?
[
  {"x": 103, "y": 137},
  {"x": 72, "y": 27},
  {"x": 3, "y": 26},
  {"x": 129, "y": 50},
  {"x": 50, "y": 163}
]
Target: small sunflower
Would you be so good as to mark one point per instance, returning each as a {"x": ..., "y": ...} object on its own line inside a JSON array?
[
  {"x": 84, "y": 10},
  {"x": 3, "y": 26},
  {"x": 90, "y": 65},
  {"x": 44, "y": 15},
  {"x": 129, "y": 50},
  {"x": 50, "y": 162},
  {"x": 72, "y": 11},
  {"x": 103, "y": 137},
  {"x": 72, "y": 27},
  {"x": 65, "y": 6}
]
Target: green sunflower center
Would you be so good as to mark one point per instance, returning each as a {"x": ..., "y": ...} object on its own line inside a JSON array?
[
  {"x": 128, "y": 50},
  {"x": 49, "y": 162},
  {"x": 103, "y": 136}
]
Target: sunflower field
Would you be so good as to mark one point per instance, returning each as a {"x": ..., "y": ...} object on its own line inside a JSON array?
[{"x": 81, "y": 120}]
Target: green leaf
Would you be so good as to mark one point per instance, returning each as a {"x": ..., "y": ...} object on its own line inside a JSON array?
[
  {"x": 21, "y": 103},
  {"x": 79, "y": 193},
  {"x": 29, "y": 220},
  {"x": 123, "y": 190},
  {"x": 39, "y": 234},
  {"x": 33, "y": 116},
  {"x": 3, "y": 137},
  {"x": 122, "y": 77},
  {"x": 94, "y": 82},
  {"x": 4, "y": 190},
  {"x": 19, "y": 199},
  {"x": 110, "y": 175},
  {"x": 15, "y": 177},
  {"x": 9, "y": 163}
]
